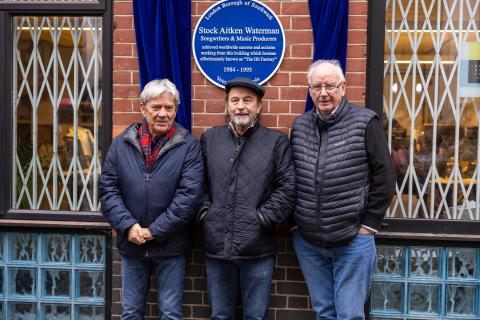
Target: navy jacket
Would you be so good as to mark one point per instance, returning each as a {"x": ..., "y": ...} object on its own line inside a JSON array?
[
  {"x": 163, "y": 198},
  {"x": 251, "y": 188}
]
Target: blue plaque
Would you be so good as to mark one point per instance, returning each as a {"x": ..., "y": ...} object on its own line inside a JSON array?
[{"x": 238, "y": 38}]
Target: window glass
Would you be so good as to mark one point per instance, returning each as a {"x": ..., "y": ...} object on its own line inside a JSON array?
[
  {"x": 431, "y": 107},
  {"x": 45, "y": 281},
  {"x": 57, "y": 107},
  {"x": 425, "y": 282}
]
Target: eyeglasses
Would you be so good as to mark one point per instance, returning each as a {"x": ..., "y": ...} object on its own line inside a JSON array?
[{"x": 328, "y": 87}]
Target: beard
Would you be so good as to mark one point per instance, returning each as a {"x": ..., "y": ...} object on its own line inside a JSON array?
[{"x": 243, "y": 120}]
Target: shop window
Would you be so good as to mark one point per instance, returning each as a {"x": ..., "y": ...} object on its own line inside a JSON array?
[
  {"x": 431, "y": 106},
  {"x": 57, "y": 112},
  {"x": 52, "y": 276},
  {"x": 413, "y": 282}
]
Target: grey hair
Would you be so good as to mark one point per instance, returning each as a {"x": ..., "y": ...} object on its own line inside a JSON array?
[
  {"x": 156, "y": 88},
  {"x": 333, "y": 62}
]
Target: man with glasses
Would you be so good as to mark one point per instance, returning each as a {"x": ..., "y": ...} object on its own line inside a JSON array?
[{"x": 345, "y": 180}]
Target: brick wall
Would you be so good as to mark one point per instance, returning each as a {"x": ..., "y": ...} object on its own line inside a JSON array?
[{"x": 284, "y": 100}]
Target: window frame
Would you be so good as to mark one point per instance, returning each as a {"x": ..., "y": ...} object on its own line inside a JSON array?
[
  {"x": 443, "y": 230},
  {"x": 48, "y": 7},
  {"x": 103, "y": 8}
]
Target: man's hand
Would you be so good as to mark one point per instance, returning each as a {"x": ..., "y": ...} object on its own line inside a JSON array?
[
  {"x": 135, "y": 234},
  {"x": 147, "y": 235},
  {"x": 363, "y": 230}
]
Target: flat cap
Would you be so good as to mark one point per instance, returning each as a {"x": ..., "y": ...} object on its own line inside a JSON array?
[{"x": 247, "y": 83}]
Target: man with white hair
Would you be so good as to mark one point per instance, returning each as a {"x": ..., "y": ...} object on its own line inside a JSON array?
[
  {"x": 150, "y": 189},
  {"x": 345, "y": 180}
]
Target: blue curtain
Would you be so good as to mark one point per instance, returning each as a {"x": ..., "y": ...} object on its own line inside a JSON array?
[
  {"x": 330, "y": 28},
  {"x": 163, "y": 32}
]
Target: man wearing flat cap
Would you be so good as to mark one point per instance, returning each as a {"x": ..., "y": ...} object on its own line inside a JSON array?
[{"x": 250, "y": 186}]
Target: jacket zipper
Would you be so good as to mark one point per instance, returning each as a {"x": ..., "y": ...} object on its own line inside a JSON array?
[
  {"x": 148, "y": 178},
  {"x": 316, "y": 186},
  {"x": 318, "y": 190},
  {"x": 147, "y": 186},
  {"x": 142, "y": 165}
]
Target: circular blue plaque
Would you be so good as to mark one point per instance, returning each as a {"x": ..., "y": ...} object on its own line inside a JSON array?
[{"x": 238, "y": 38}]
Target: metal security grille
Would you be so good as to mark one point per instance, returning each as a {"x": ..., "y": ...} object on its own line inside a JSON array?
[
  {"x": 57, "y": 105},
  {"x": 52, "y": 276},
  {"x": 431, "y": 118},
  {"x": 418, "y": 282}
]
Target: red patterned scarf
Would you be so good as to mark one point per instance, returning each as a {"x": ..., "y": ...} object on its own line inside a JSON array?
[{"x": 151, "y": 146}]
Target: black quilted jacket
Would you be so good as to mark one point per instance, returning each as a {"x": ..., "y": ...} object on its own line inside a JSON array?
[
  {"x": 250, "y": 181},
  {"x": 333, "y": 173}
]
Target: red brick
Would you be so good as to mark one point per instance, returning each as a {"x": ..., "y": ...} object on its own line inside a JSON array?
[
  {"x": 279, "y": 79},
  {"x": 202, "y": 7},
  {"x": 136, "y": 78},
  {"x": 295, "y": 8},
  {"x": 198, "y": 78},
  {"x": 295, "y": 65},
  {"x": 272, "y": 93},
  {"x": 355, "y": 93},
  {"x": 121, "y": 77},
  {"x": 303, "y": 22},
  {"x": 117, "y": 129},
  {"x": 215, "y": 106},
  {"x": 122, "y": 105},
  {"x": 285, "y": 120},
  {"x": 357, "y": 22},
  {"x": 269, "y": 120},
  {"x": 124, "y": 36},
  {"x": 122, "y": 91},
  {"x": 298, "y": 78},
  {"x": 125, "y": 63},
  {"x": 195, "y": 21},
  {"x": 357, "y": 37},
  {"x": 278, "y": 106},
  {"x": 294, "y": 36},
  {"x": 285, "y": 21},
  {"x": 302, "y": 50},
  {"x": 356, "y": 65},
  {"x": 122, "y": 49},
  {"x": 274, "y": 6},
  {"x": 123, "y": 22},
  {"x": 208, "y": 92},
  {"x": 358, "y": 8},
  {"x": 297, "y": 107},
  {"x": 293, "y": 93},
  {"x": 356, "y": 79},
  {"x": 209, "y": 120},
  {"x": 122, "y": 8},
  {"x": 356, "y": 51},
  {"x": 360, "y": 102},
  {"x": 126, "y": 118},
  {"x": 198, "y": 106}
]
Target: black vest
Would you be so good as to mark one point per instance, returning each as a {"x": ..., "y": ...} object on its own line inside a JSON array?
[{"x": 332, "y": 173}]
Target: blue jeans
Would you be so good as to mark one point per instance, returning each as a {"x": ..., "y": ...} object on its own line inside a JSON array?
[
  {"x": 169, "y": 275},
  {"x": 338, "y": 278},
  {"x": 255, "y": 277}
]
